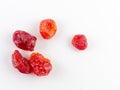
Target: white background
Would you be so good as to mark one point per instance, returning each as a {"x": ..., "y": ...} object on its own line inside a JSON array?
[{"x": 96, "y": 68}]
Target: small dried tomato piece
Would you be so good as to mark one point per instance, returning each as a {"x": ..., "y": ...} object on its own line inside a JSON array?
[
  {"x": 48, "y": 28},
  {"x": 24, "y": 40},
  {"x": 79, "y": 41},
  {"x": 41, "y": 66},
  {"x": 21, "y": 63}
]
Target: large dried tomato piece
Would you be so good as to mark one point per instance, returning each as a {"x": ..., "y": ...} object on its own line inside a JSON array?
[
  {"x": 48, "y": 28},
  {"x": 24, "y": 40},
  {"x": 79, "y": 41},
  {"x": 41, "y": 66},
  {"x": 21, "y": 63}
]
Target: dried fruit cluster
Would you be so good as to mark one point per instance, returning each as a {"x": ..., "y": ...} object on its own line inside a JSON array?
[{"x": 36, "y": 62}]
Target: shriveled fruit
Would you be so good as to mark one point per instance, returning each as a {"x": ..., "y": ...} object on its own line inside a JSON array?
[
  {"x": 79, "y": 41},
  {"x": 41, "y": 66},
  {"x": 21, "y": 63},
  {"x": 24, "y": 40},
  {"x": 48, "y": 28}
]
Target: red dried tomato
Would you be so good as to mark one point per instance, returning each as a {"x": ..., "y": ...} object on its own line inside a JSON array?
[
  {"x": 79, "y": 41},
  {"x": 24, "y": 40},
  {"x": 48, "y": 28},
  {"x": 41, "y": 66},
  {"x": 21, "y": 63}
]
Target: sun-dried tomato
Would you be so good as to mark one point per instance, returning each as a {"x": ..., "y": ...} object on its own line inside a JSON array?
[
  {"x": 24, "y": 40},
  {"x": 48, "y": 28},
  {"x": 41, "y": 66},
  {"x": 21, "y": 63},
  {"x": 79, "y": 41}
]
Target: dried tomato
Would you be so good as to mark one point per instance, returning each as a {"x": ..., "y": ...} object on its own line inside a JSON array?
[
  {"x": 21, "y": 63},
  {"x": 24, "y": 40},
  {"x": 41, "y": 65},
  {"x": 79, "y": 41},
  {"x": 48, "y": 28}
]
